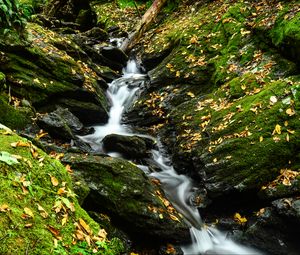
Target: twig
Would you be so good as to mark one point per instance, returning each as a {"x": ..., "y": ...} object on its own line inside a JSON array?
[{"x": 137, "y": 8}]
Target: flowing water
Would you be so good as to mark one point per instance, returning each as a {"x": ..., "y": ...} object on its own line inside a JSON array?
[{"x": 178, "y": 188}]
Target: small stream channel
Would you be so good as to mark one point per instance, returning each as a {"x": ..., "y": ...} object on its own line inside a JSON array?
[{"x": 178, "y": 188}]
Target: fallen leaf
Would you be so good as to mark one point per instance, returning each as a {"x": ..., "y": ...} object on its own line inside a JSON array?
[
  {"x": 273, "y": 100},
  {"x": 290, "y": 112},
  {"x": 28, "y": 212},
  {"x": 261, "y": 138},
  {"x": 173, "y": 217},
  {"x": 191, "y": 94},
  {"x": 42, "y": 211},
  {"x": 53, "y": 230},
  {"x": 54, "y": 181},
  {"x": 29, "y": 225},
  {"x": 277, "y": 130},
  {"x": 241, "y": 220},
  {"x": 8, "y": 158},
  {"x": 85, "y": 226},
  {"x": 20, "y": 144},
  {"x": 4, "y": 208}
]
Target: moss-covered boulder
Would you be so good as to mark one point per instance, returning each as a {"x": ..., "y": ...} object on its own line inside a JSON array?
[
  {"x": 59, "y": 76},
  {"x": 39, "y": 210},
  {"x": 122, "y": 190},
  {"x": 235, "y": 129}
]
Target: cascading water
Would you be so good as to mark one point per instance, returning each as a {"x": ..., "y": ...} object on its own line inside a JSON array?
[{"x": 178, "y": 188}]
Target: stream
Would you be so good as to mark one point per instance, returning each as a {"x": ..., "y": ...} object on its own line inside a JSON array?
[{"x": 178, "y": 188}]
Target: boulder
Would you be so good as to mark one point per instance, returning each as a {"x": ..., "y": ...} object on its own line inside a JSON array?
[
  {"x": 97, "y": 34},
  {"x": 122, "y": 190},
  {"x": 133, "y": 147},
  {"x": 114, "y": 54},
  {"x": 60, "y": 124},
  {"x": 272, "y": 233},
  {"x": 87, "y": 112}
]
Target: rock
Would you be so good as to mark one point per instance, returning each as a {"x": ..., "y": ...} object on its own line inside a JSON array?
[
  {"x": 57, "y": 124},
  {"x": 72, "y": 11},
  {"x": 126, "y": 194},
  {"x": 151, "y": 60},
  {"x": 133, "y": 147},
  {"x": 288, "y": 208},
  {"x": 97, "y": 34},
  {"x": 272, "y": 234},
  {"x": 114, "y": 54},
  {"x": 88, "y": 113}
]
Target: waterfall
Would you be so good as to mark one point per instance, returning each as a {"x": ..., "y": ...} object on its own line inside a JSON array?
[{"x": 178, "y": 188}]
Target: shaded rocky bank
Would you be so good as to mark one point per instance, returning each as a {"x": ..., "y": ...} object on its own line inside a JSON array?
[{"x": 223, "y": 98}]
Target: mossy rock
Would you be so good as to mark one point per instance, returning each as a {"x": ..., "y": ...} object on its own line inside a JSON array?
[
  {"x": 15, "y": 118},
  {"x": 123, "y": 191},
  {"x": 36, "y": 195}
]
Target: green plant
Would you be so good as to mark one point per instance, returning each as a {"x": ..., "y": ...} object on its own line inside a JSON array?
[{"x": 11, "y": 16}]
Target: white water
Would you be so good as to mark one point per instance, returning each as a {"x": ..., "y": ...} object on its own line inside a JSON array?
[{"x": 178, "y": 188}]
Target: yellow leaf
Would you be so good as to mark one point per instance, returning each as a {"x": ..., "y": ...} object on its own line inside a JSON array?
[
  {"x": 241, "y": 220},
  {"x": 20, "y": 144},
  {"x": 64, "y": 219},
  {"x": 287, "y": 138},
  {"x": 4, "y": 208},
  {"x": 173, "y": 217},
  {"x": 277, "y": 130},
  {"x": 243, "y": 87},
  {"x": 215, "y": 160},
  {"x": 291, "y": 131},
  {"x": 102, "y": 233},
  {"x": 261, "y": 139},
  {"x": 28, "y": 212},
  {"x": 85, "y": 226},
  {"x": 54, "y": 181},
  {"x": 191, "y": 94},
  {"x": 42, "y": 211},
  {"x": 290, "y": 112}
]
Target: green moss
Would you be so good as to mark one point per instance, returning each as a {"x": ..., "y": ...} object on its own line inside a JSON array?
[
  {"x": 28, "y": 185},
  {"x": 15, "y": 118}
]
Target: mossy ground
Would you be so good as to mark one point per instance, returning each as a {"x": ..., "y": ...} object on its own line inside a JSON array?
[
  {"x": 239, "y": 123},
  {"x": 36, "y": 198}
]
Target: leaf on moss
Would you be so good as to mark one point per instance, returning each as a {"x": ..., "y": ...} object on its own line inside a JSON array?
[
  {"x": 8, "y": 158},
  {"x": 277, "y": 130},
  {"x": 85, "y": 226},
  {"x": 42, "y": 211},
  {"x": 54, "y": 181},
  {"x": 53, "y": 230},
  {"x": 20, "y": 144},
  {"x": 4, "y": 208},
  {"x": 28, "y": 212}
]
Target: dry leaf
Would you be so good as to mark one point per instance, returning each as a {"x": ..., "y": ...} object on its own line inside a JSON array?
[
  {"x": 42, "y": 211},
  {"x": 20, "y": 144},
  {"x": 173, "y": 217},
  {"x": 290, "y": 112},
  {"x": 191, "y": 94},
  {"x": 277, "y": 130},
  {"x": 53, "y": 230},
  {"x": 4, "y": 208},
  {"x": 241, "y": 220},
  {"x": 54, "y": 181},
  {"x": 85, "y": 226},
  {"x": 28, "y": 212}
]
